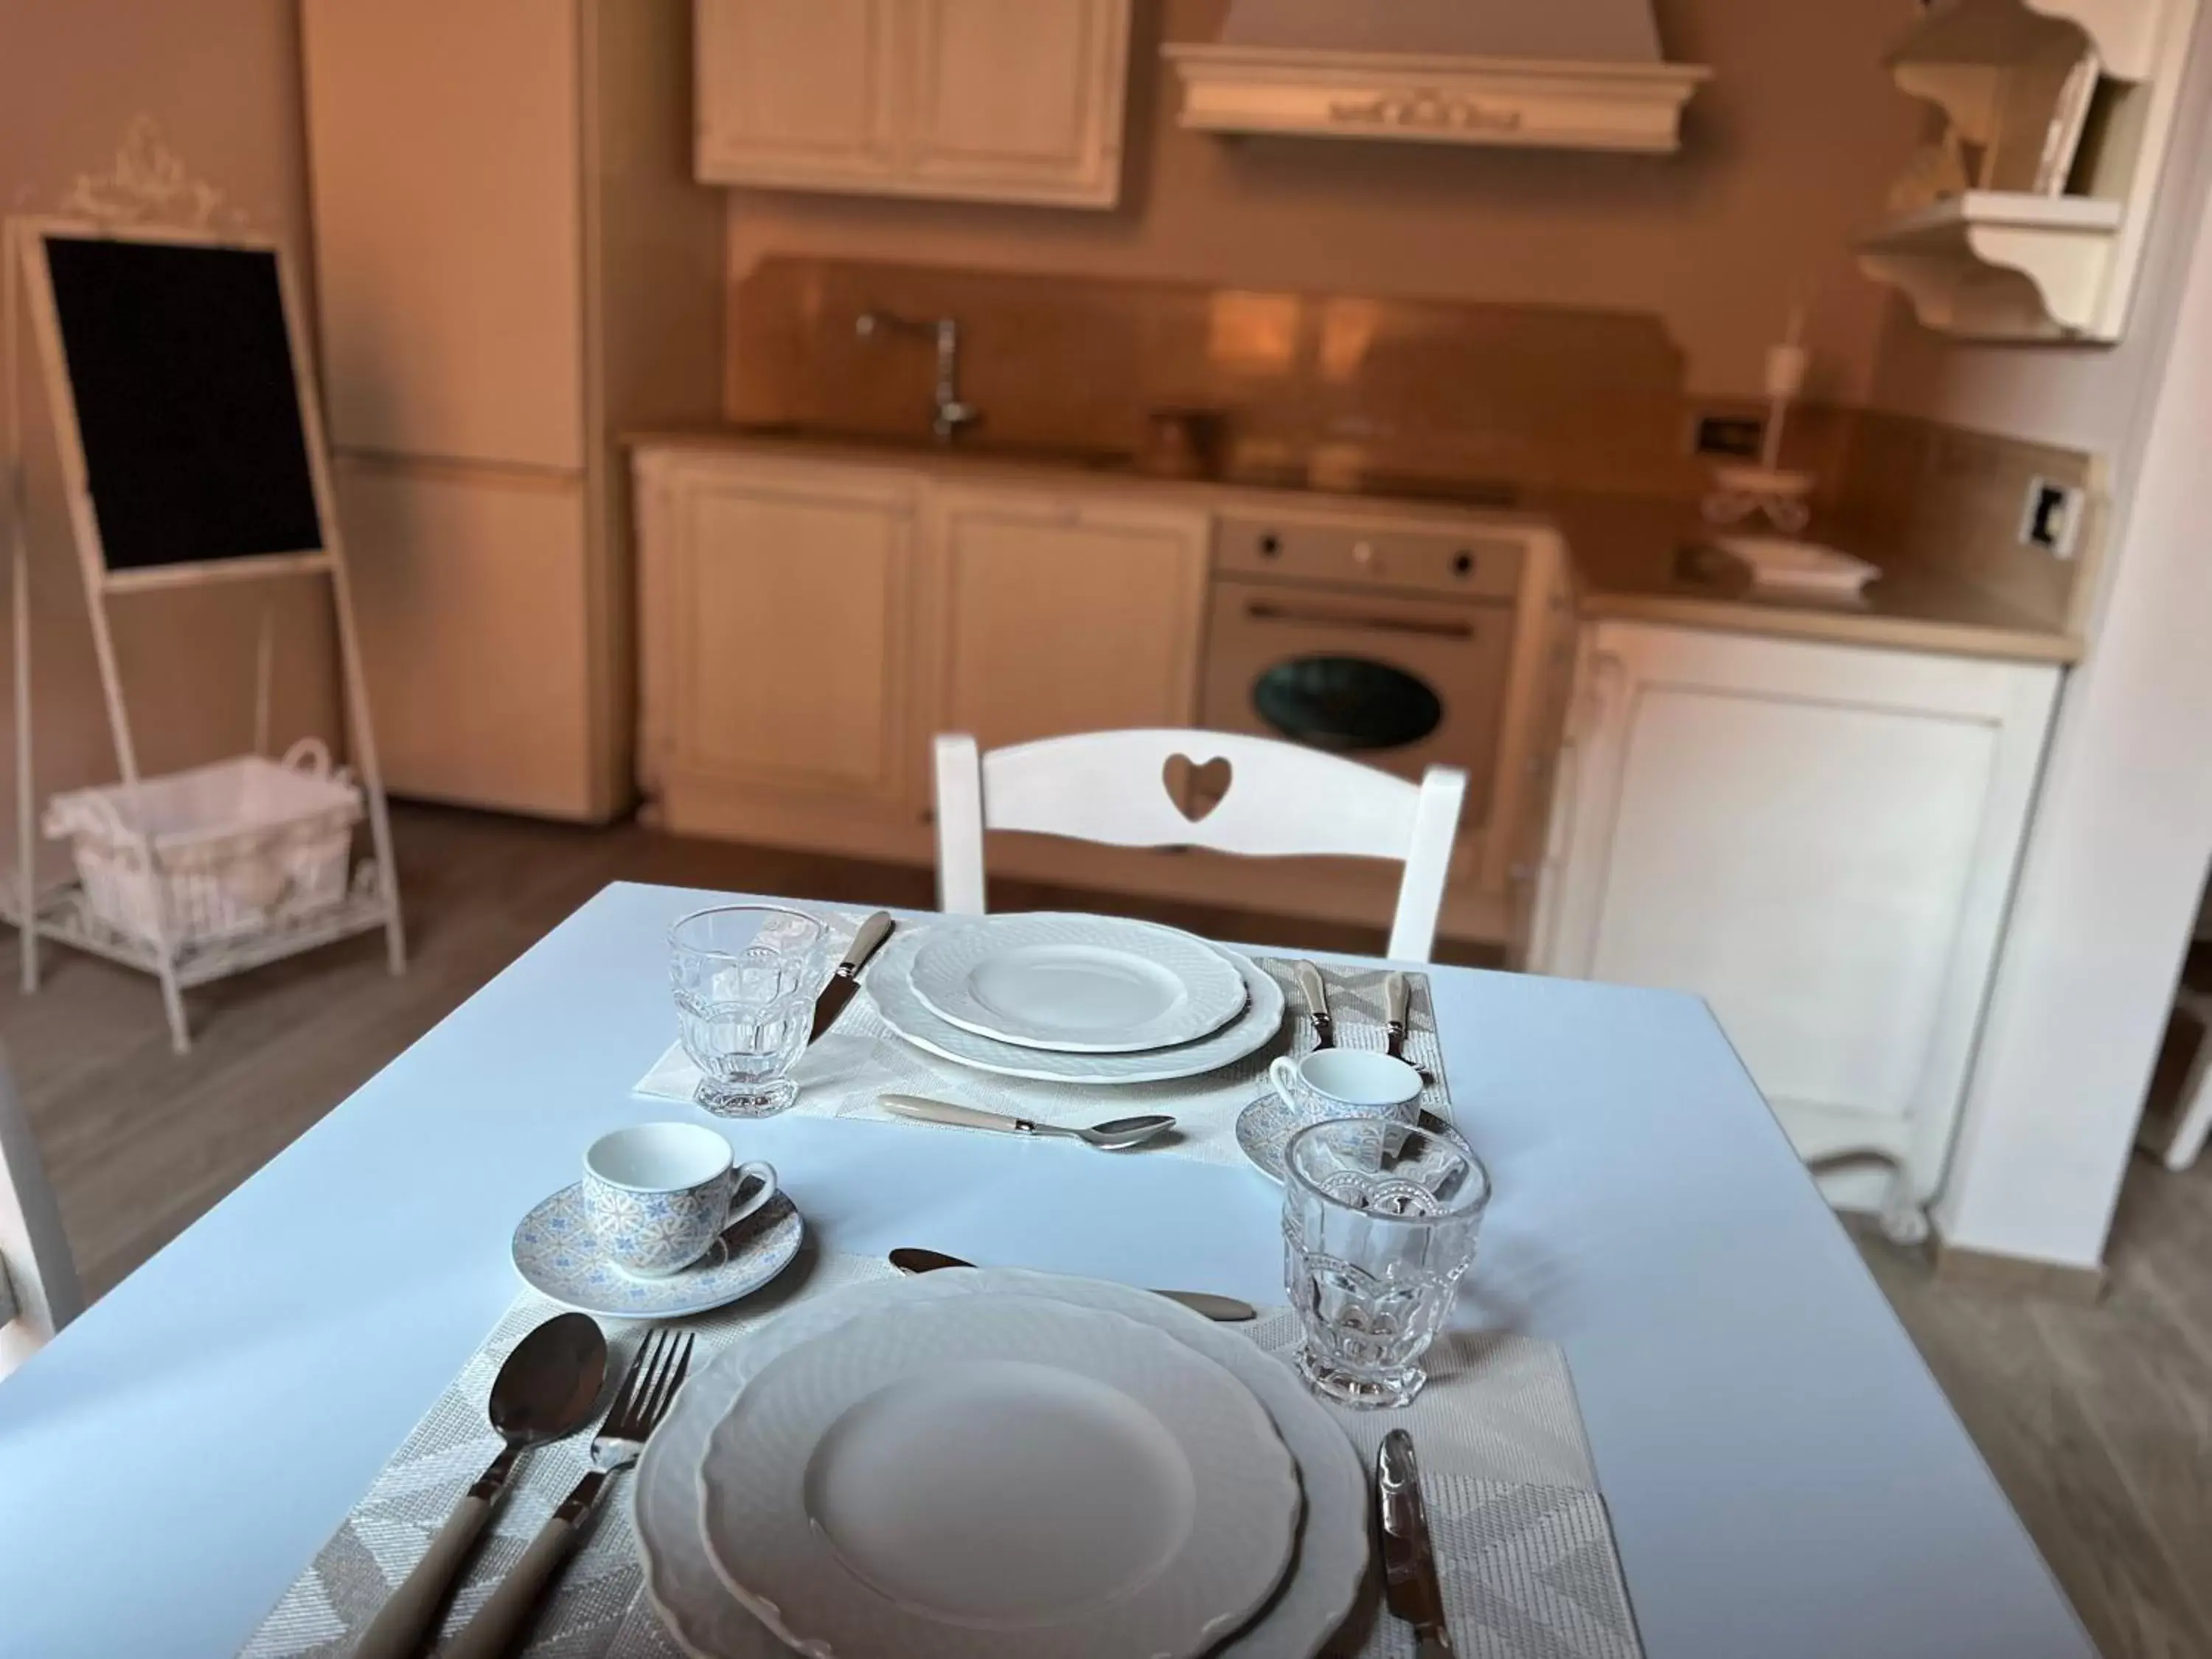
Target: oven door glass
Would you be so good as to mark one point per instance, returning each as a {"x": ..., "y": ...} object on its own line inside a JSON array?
[{"x": 1347, "y": 704}]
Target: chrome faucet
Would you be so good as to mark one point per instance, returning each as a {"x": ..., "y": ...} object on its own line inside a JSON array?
[{"x": 951, "y": 415}]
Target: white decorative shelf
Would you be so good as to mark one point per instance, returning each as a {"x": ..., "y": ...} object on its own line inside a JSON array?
[
  {"x": 1434, "y": 98},
  {"x": 2001, "y": 264}
]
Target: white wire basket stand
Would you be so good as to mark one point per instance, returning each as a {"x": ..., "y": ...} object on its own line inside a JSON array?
[{"x": 219, "y": 853}]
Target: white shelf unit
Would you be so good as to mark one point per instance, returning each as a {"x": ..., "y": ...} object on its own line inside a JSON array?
[{"x": 2012, "y": 266}]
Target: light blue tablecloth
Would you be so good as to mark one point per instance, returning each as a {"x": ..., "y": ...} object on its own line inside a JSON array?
[{"x": 1783, "y": 1476}]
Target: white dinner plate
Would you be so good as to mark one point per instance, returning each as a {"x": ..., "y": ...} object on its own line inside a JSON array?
[
  {"x": 889, "y": 986},
  {"x": 1076, "y": 984},
  {"x": 999, "y": 1477},
  {"x": 1314, "y": 1599}
]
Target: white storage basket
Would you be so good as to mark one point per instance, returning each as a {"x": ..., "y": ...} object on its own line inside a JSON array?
[{"x": 215, "y": 853}]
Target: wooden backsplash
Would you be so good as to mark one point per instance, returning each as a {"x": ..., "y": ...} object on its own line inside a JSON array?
[{"x": 1533, "y": 397}]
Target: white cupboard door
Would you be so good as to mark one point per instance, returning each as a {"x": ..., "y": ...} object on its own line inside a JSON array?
[
  {"x": 797, "y": 92},
  {"x": 444, "y": 145},
  {"x": 469, "y": 585},
  {"x": 1820, "y": 841},
  {"x": 1054, "y": 614},
  {"x": 787, "y": 613},
  {"x": 1019, "y": 100}
]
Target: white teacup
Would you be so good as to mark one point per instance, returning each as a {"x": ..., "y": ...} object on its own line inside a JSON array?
[
  {"x": 1338, "y": 1083},
  {"x": 658, "y": 1194}
]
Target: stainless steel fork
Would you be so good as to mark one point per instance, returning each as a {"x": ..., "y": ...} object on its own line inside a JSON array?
[{"x": 643, "y": 1400}]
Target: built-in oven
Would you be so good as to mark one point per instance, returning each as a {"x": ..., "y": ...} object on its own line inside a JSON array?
[{"x": 1387, "y": 643}]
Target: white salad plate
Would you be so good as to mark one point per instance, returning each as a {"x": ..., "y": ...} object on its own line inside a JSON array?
[
  {"x": 558, "y": 1255},
  {"x": 1313, "y": 1600},
  {"x": 1076, "y": 984},
  {"x": 999, "y": 1477},
  {"x": 890, "y": 985}
]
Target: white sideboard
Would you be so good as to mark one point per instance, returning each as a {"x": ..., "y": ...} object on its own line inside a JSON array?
[{"x": 1820, "y": 840}]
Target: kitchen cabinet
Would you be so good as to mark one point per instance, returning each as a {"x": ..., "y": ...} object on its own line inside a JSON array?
[
  {"x": 811, "y": 617},
  {"x": 506, "y": 239},
  {"x": 1001, "y": 100},
  {"x": 456, "y": 569},
  {"x": 778, "y": 604},
  {"x": 1051, "y": 613},
  {"x": 1820, "y": 840}
]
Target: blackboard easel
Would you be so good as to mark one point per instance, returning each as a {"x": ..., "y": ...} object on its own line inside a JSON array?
[{"x": 213, "y": 505}]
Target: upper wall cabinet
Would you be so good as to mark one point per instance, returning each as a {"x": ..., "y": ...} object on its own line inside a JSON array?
[
  {"x": 995, "y": 100},
  {"x": 2025, "y": 218}
]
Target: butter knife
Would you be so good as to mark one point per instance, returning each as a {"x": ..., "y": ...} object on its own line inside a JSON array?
[
  {"x": 1409, "y": 1564},
  {"x": 1316, "y": 995},
  {"x": 845, "y": 983},
  {"x": 1398, "y": 1001},
  {"x": 1224, "y": 1309}
]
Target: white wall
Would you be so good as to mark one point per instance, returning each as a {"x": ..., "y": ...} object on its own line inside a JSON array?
[{"x": 2110, "y": 884}]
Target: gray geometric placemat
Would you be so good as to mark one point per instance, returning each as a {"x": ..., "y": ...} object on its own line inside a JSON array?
[
  {"x": 861, "y": 1058},
  {"x": 1525, "y": 1553}
]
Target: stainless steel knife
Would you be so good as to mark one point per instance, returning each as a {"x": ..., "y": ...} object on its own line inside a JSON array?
[
  {"x": 1409, "y": 1564},
  {"x": 1226, "y": 1310},
  {"x": 845, "y": 983},
  {"x": 1398, "y": 1000},
  {"x": 1316, "y": 995}
]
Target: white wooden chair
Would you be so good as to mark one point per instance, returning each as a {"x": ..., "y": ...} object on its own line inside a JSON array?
[
  {"x": 1282, "y": 800},
  {"x": 39, "y": 1292}
]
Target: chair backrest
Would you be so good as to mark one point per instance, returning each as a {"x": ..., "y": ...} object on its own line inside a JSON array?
[
  {"x": 1282, "y": 800},
  {"x": 39, "y": 1292}
]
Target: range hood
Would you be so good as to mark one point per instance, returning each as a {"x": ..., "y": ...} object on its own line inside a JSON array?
[{"x": 1540, "y": 74}]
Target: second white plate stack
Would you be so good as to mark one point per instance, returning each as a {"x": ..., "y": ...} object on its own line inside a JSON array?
[
  {"x": 1074, "y": 999},
  {"x": 999, "y": 1463}
]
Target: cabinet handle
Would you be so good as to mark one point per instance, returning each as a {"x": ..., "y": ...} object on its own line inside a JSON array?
[{"x": 1262, "y": 610}]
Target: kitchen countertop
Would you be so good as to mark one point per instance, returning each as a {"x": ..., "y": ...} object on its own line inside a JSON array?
[
  {"x": 1639, "y": 560},
  {"x": 1635, "y": 558}
]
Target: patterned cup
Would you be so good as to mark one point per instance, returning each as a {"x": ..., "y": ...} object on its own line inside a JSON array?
[
  {"x": 1338, "y": 1083},
  {"x": 659, "y": 1195}
]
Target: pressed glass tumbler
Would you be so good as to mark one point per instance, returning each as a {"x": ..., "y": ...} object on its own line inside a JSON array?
[
  {"x": 746, "y": 977},
  {"x": 1379, "y": 1223}
]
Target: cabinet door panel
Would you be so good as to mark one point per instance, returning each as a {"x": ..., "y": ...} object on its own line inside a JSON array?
[
  {"x": 1059, "y": 616},
  {"x": 1022, "y": 97},
  {"x": 443, "y": 140},
  {"x": 1820, "y": 841},
  {"x": 795, "y": 92},
  {"x": 470, "y": 590},
  {"x": 790, "y": 612},
  {"x": 1804, "y": 866}
]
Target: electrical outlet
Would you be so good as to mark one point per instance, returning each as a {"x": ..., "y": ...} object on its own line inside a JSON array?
[
  {"x": 2051, "y": 519},
  {"x": 1739, "y": 436}
]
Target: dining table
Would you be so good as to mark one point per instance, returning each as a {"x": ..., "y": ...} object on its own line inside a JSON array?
[{"x": 1783, "y": 1478}]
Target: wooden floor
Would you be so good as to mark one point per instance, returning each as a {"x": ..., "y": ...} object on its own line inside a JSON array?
[{"x": 2098, "y": 1420}]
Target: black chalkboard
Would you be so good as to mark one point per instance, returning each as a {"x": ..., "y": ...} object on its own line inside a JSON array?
[{"x": 181, "y": 369}]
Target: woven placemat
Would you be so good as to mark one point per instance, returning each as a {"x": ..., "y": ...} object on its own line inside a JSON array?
[{"x": 1525, "y": 1553}]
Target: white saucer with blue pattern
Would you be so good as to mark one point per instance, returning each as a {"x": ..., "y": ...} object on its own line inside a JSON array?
[
  {"x": 1265, "y": 1127},
  {"x": 557, "y": 1255}
]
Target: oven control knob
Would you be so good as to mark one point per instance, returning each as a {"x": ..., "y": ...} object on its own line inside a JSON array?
[
  {"x": 1363, "y": 554},
  {"x": 1270, "y": 544}
]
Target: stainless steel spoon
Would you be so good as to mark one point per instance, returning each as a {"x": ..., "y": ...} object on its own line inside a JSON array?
[
  {"x": 1118, "y": 1135},
  {"x": 545, "y": 1391},
  {"x": 911, "y": 1259}
]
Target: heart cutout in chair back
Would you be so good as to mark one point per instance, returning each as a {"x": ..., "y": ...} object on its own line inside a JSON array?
[{"x": 1196, "y": 790}]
